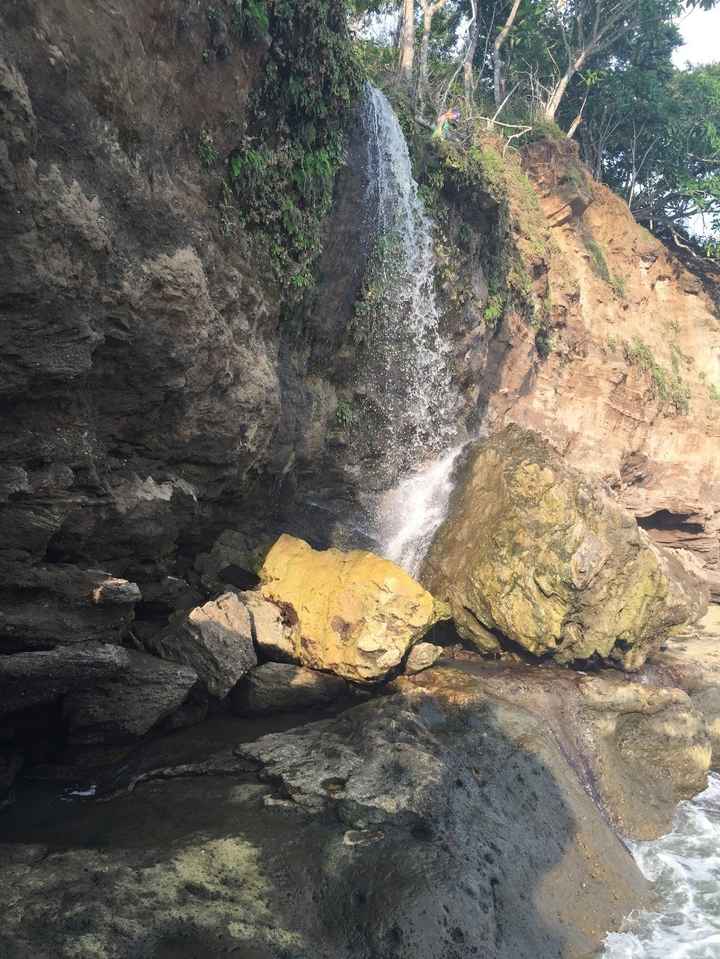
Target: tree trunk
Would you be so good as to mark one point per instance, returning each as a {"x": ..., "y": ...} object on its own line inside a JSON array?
[
  {"x": 468, "y": 77},
  {"x": 407, "y": 41},
  {"x": 423, "y": 66},
  {"x": 553, "y": 104},
  {"x": 498, "y": 79}
]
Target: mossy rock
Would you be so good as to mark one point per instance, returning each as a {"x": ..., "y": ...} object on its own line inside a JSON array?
[{"x": 534, "y": 553}]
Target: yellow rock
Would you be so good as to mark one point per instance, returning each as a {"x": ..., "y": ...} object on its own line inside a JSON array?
[{"x": 353, "y": 613}]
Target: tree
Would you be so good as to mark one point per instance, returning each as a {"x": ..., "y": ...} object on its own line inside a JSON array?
[
  {"x": 407, "y": 41},
  {"x": 499, "y": 90},
  {"x": 429, "y": 9}
]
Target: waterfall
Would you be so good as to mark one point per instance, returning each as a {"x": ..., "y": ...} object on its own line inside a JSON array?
[{"x": 407, "y": 436}]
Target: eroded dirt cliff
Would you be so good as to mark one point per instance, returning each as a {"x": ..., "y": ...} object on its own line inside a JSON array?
[{"x": 629, "y": 386}]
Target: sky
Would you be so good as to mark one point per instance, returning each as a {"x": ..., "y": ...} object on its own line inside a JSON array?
[{"x": 701, "y": 32}]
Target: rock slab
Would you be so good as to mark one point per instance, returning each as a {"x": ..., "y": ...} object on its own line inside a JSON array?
[
  {"x": 215, "y": 640},
  {"x": 128, "y": 705},
  {"x": 278, "y": 687}
]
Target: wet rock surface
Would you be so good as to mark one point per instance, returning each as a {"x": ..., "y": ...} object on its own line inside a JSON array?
[
  {"x": 638, "y": 749},
  {"x": 533, "y": 552},
  {"x": 413, "y": 826}
]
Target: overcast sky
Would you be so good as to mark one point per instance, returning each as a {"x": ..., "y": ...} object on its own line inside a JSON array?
[{"x": 701, "y": 31}]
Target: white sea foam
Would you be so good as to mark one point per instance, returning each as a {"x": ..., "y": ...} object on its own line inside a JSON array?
[{"x": 685, "y": 865}]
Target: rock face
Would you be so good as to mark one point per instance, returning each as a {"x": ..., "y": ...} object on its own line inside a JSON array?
[
  {"x": 414, "y": 826},
  {"x": 353, "y": 614},
  {"x": 637, "y": 749},
  {"x": 215, "y": 640},
  {"x": 627, "y": 383},
  {"x": 692, "y": 663},
  {"x": 278, "y": 687},
  {"x": 27, "y": 679},
  {"x": 46, "y": 606},
  {"x": 128, "y": 705},
  {"x": 534, "y": 552}
]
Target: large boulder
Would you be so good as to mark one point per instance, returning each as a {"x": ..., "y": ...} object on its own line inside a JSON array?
[
  {"x": 126, "y": 706},
  {"x": 353, "y": 613},
  {"x": 534, "y": 553},
  {"x": 273, "y": 630},
  {"x": 278, "y": 687},
  {"x": 215, "y": 640}
]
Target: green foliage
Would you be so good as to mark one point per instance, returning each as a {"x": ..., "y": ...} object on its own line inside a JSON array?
[
  {"x": 207, "y": 151},
  {"x": 494, "y": 310},
  {"x": 249, "y": 18},
  {"x": 479, "y": 178},
  {"x": 597, "y": 258},
  {"x": 714, "y": 392},
  {"x": 666, "y": 386},
  {"x": 344, "y": 414},
  {"x": 282, "y": 174}
]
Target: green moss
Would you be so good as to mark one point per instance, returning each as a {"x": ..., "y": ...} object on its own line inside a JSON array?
[
  {"x": 597, "y": 258},
  {"x": 207, "y": 151},
  {"x": 344, "y": 414},
  {"x": 667, "y": 386},
  {"x": 282, "y": 173},
  {"x": 479, "y": 177}
]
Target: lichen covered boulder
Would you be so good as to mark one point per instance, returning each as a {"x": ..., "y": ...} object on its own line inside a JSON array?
[
  {"x": 534, "y": 553},
  {"x": 351, "y": 613}
]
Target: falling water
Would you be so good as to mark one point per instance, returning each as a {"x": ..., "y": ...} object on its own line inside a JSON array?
[{"x": 408, "y": 402}]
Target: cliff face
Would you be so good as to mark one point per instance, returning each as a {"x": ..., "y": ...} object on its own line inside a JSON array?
[
  {"x": 621, "y": 372},
  {"x": 139, "y": 348}
]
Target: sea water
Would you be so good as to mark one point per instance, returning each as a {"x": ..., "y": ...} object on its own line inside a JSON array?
[{"x": 685, "y": 866}]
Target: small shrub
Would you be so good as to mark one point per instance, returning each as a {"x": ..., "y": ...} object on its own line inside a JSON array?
[
  {"x": 494, "y": 310},
  {"x": 344, "y": 414},
  {"x": 597, "y": 258},
  {"x": 667, "y": 386},
  {"x": 206, "y": 150},
  {"x": 618, "y": 286}
]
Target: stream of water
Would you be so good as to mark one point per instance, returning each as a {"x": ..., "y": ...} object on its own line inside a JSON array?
[
  {"x": 410, "y": 400},
  {"x": 685, "y": 866}
]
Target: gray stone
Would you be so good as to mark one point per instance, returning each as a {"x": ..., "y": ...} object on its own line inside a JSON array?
[
  {"x": 422, "y": 656},
  {"x": 129, "y": 704},
  {"x": 277, "y": 687},
  {"x": 273, "y": 635},
  {"x": 45, "y": 606},
  {"x": 27, "y": 679},
  {"x": 215, "y": 640}
]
